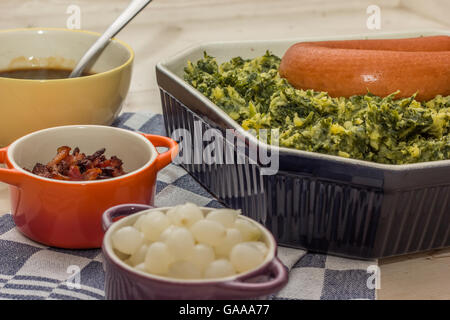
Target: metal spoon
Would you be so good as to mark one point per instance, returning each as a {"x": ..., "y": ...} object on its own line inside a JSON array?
[{"x": 126, "y": 16}]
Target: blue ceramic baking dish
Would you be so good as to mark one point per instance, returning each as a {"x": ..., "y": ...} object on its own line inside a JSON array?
[{"x": 319, "y": 202}]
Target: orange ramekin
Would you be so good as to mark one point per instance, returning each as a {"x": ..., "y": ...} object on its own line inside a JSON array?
[{"x": 67, "y": 214}]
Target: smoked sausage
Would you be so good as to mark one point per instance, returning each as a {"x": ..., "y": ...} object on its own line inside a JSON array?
[{"x": 381, "y": 67}]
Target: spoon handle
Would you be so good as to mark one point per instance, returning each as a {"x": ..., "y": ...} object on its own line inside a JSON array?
[{"x": 126, "y": 16}]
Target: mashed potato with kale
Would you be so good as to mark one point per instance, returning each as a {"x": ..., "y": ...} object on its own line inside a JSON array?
[{"x": 380, "y": 129}]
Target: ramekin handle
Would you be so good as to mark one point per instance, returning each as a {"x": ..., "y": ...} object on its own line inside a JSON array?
[
  {"x": 163, "y": 159},
  {"x": 121, "y": 210},
  {"x": 9, "y": 176},
  {"x": 279, "y": 277}
]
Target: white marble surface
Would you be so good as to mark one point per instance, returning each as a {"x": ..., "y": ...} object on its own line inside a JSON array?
[{"x": 168, "y": 26}]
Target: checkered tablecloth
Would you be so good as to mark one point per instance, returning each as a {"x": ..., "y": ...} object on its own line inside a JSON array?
[{"x": 29, "y": 270}]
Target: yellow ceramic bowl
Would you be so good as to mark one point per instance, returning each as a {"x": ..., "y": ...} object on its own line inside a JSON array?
[{"x": 30, "y": 105}]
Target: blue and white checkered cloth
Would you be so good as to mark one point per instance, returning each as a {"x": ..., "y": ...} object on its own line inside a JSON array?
[{"x": 29, "y": 270}]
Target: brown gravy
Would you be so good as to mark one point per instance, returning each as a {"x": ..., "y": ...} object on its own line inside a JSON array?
[{"x": 39, "y": 73}]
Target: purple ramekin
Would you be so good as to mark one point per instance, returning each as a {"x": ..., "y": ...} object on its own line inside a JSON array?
[{"x": 122, "y": 282}]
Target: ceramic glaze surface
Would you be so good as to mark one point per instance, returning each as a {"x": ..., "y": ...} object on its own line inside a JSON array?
[
  {"x": 67, "y": 214},
  {"x": 30, "y": 105},
  {"x": 124, "y": 282}
]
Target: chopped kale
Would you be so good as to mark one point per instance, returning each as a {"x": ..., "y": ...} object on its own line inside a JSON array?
[{"x": 372, "y": 128}]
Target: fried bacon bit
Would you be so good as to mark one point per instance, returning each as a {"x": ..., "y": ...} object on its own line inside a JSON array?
[{"x": 79, "y": 167}]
